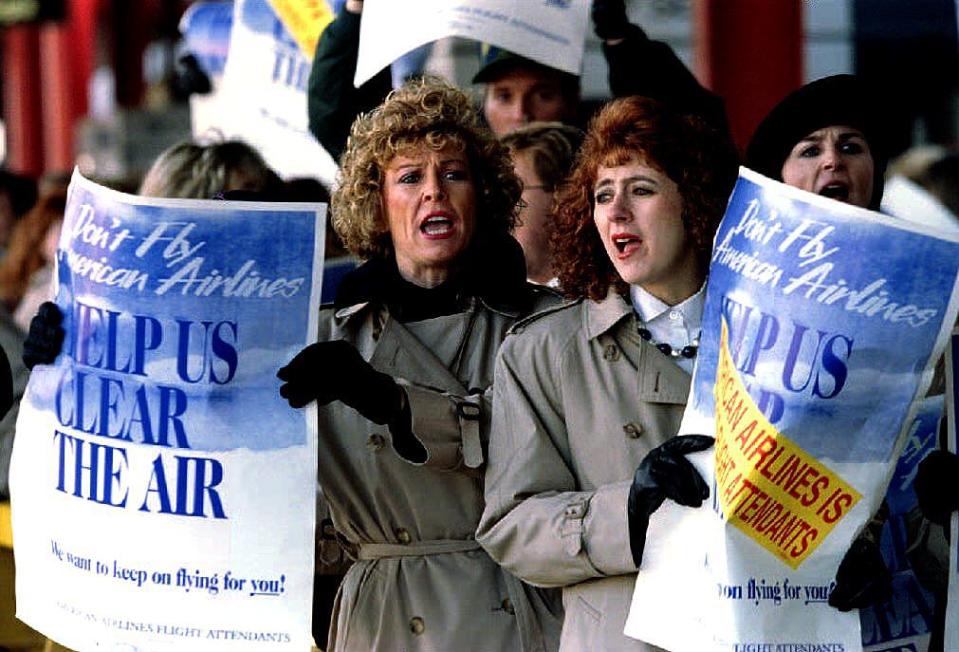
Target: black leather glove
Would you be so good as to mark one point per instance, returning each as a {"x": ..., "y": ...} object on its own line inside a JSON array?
[
  {"x": 862, "y": 579},
  {"x": 664, "y": 473},
  {"x": 335, "y": 371},
  {"x": 937, "y": 486},
  {"x": 45, "y": 337},
  {"x": 609, "y": 19}
]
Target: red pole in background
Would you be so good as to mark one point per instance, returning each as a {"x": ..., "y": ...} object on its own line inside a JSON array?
[
  {"x": 750, "y": 53},
  {"x": 46, "y": 71},
  {"x": 67, "y": 52},
  {"x": 22, "y": 99},
  {"x": 59, "y": 100}
]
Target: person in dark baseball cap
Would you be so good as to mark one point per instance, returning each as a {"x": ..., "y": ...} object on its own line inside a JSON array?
[
  {"x": 519, "y": 91},
  {"x": 826, "y": 138}
]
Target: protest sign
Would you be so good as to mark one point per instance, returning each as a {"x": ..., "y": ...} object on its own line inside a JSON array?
[
  {"x": 205, "y": 28},
  {"x": 304, "y": 21},
  {"x": 162, "y": 491},
  {"x": 821, "y": 329},
  {"x": 261, "y": 96},
  {"x": 551, "y": 32},
  {"x": 951, "y": 641},
  {"x": 905, "y": 621}
]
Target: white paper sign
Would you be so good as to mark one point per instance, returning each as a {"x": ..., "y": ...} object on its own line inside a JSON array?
[
  {"x": 162, "y": 491},
  {"x": 551, "y": 32}
]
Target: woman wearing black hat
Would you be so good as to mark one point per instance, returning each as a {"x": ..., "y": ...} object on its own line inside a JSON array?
[{"x": 825, "y": 138}]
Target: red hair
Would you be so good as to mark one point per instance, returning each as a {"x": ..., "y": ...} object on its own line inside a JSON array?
[
  {"x": 701, "y": 161},
  {"x": 24, "y": 254}
]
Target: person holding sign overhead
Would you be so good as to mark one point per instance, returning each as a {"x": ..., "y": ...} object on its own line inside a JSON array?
[
  {"x": 515, "y": 89},
  {"x": 402, "y": 376},
  {"x": 589, "y": 395}
]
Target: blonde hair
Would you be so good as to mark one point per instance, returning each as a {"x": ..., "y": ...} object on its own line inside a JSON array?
[
  {"x": 423, "y": 113},
  {"x": 552, "y": 147},
  {"x": 191, "y": 171}
]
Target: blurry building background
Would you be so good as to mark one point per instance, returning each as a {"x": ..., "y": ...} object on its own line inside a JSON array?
[{"x": 101, "y": 84}]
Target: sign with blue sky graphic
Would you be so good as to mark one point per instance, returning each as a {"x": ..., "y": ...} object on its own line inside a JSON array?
[
  {"x": 822, "y": 326},
  {"x": 163, "y": 492}
]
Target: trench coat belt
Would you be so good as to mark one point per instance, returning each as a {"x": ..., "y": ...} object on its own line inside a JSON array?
[{"x": 414, "y": 549}]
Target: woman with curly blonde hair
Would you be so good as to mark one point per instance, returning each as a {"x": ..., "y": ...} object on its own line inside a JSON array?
[
  {"x": 589, "y": 396},
  {"x": 402, "y": 376}
]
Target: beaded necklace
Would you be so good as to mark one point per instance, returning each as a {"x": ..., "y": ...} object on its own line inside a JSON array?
[{"x": 688, "y": 351}]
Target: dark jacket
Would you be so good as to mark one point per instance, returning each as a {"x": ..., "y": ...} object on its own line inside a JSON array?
[
  {"x": 11, "y": 341},
  {"x": 334, "y": 103},
  {"x": 663, "y": 77}
]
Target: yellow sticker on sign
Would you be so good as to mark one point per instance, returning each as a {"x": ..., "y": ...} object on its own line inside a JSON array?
[
  {"x": 304, "y": 20},
  {"x": 772, "y": 490}
]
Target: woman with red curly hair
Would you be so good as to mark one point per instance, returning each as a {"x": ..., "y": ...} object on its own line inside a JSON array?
[{"x": 589, "y": 395}]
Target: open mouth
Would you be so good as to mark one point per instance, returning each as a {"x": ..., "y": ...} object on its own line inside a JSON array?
[
  {"x": 436, "y": 226},
  {"x": 626, "y": 244},
  {"x": 838, "y": 191}
]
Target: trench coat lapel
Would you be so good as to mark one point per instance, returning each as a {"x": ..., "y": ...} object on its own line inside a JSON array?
[
  {"x": 399, "y": 353},
  {"x": 660, "y": 380}
]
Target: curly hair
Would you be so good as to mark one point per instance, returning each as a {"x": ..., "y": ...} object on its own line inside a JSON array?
[
  {"x": 424, "y": 112},
  {"x": 701, "y": 161}
]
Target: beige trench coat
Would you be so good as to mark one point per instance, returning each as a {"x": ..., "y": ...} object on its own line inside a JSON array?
[
  {"x": 421, "y": 582},
  {"x": 579, "y": 401}
]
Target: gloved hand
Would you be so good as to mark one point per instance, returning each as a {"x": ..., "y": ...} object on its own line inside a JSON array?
[
  {"x": 609, "y": 19},
  {"x": 335, "y": 371},
  {"x": 862, "y": 579},
  {"x": 664, "y": 473},
  {"x": 45, "y": 337},
  {"x": 936, "y": 486}
]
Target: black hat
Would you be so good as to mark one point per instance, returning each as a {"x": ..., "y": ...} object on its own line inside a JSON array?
[
  {"x": 835, "y": 100},
  {"x": 497, "y": 62}
]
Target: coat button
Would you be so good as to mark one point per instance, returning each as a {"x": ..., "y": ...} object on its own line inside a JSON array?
[
  {"x": 417, "y": 625},
  {"x": 633, "y": 430},
  {"x": 575, "y": 511},
  {"x": 508, "y": 606},
  {"x": 327, "y": 530},
  {"x": 375, "y": 442},
  {"x": 403, "y": 536},
  {"x": 611, "y": 353}
]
